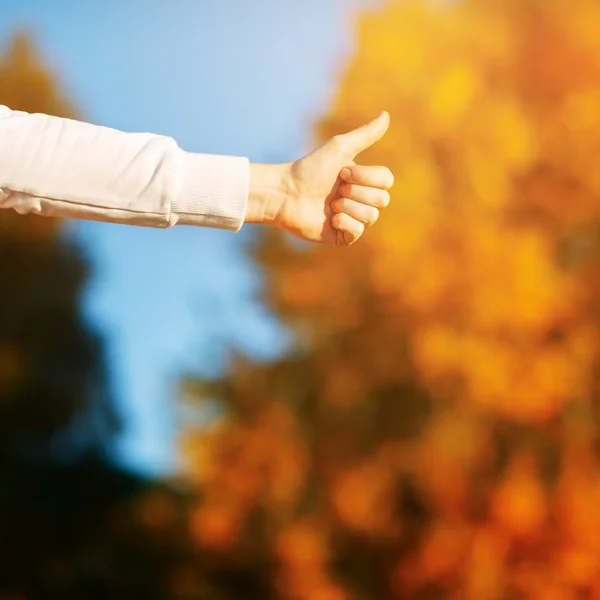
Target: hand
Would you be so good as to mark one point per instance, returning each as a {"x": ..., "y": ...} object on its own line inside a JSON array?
[
  {"x": 315, "y": 199},
  {"x": 328, "y": 204}
]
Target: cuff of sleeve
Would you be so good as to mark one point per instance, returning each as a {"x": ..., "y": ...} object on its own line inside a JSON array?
[{"x": 213, "y": 191}]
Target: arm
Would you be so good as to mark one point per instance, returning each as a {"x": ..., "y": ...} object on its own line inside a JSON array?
[
  {"x": 59, "y": 167},
  {"x": 64, "y": 168}
]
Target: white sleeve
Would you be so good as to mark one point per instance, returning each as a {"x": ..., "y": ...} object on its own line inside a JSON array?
[{"x": 65, "y": 168}]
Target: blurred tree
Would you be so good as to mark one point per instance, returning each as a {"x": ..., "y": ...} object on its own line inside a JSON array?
[
  {"x": 54, "y": 397},
  {"x": 433, "y": 432},
  {"x": 73, "y": 526}
]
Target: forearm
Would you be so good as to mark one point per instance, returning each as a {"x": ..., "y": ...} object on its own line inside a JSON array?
[{"x": 65, "y": 168}]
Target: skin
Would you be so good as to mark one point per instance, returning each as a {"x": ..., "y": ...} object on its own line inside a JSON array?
[{"x": 314, "y": 199}]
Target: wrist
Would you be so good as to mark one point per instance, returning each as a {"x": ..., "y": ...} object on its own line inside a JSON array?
[{"x": 268, "y": 191}]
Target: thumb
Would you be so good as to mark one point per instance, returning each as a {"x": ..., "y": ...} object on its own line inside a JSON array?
[{"x": 362, "y": 138}]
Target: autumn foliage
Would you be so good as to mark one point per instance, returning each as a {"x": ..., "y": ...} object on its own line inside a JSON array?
[{"x": 433, "y": 430}]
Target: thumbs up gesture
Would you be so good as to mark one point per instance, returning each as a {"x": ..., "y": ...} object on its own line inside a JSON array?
[{"x": 326, "y": 197}]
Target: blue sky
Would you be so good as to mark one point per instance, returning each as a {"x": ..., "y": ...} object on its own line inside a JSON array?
[{"x": 237, "y": 77}]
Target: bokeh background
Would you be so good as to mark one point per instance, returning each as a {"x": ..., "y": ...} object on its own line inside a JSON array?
[{"x": 195, "y": 414}]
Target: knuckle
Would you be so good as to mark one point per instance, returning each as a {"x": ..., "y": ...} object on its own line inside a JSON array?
[
  {"x": 344, "y": 188},
  {"x": 338, "y": 142},
  {"x": 337, "y": 205},
  {"x": 390, "y": 179},
  {"x": 385, "y": 199},
  {"x": 338, "y": 220},
  {"x": 373, "y": 216}
]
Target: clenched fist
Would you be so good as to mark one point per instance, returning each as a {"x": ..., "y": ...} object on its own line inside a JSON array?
[{"x": 324, "y": 196}]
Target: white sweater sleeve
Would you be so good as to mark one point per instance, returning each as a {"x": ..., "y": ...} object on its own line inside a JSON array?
[{"x": 64, "y": 168}]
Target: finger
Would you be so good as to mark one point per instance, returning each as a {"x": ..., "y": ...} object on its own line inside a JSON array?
[
  {"x": 361, "y": 212},
  {"x": 378, "y": 177},
  {"x": 351, "y": 228},
  {"x": 363, "y": 137},
  {"x": 367, "y": 195}
]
